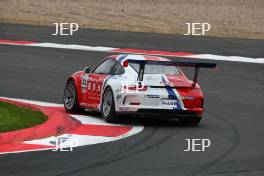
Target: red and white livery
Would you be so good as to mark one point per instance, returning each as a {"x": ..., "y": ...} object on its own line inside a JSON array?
[{"x": 137, "y": 84}]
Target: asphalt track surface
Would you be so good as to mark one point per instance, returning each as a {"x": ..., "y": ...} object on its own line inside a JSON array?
[{"x": 233, "y": 118}]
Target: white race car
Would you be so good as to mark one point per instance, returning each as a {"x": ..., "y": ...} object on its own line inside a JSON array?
[{"x": 137, "y": 84}]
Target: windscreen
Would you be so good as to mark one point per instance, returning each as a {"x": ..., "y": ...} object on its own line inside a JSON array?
[{"x": 156, "y": 69}]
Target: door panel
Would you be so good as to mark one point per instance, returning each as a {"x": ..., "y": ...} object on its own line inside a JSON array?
[
  {"x": 92, "y": 83},
  {"x": 91, "y": 89}
]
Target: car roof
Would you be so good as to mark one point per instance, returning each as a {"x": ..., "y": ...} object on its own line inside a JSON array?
[{"x": 123, "y": 57}]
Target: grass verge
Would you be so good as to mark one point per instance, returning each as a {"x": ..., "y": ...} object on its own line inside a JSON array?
[{"x": 14, "y": 118}]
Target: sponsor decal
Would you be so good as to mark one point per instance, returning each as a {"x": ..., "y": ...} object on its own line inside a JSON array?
[
  {"x": 170, "y": 103},
  {"x": 124, "y": 109},
  {"x": 153, "y": 96},
  {"x": 119, "y": 78},
  {"x": 84, "y": 81},
  {"x": 173, "y": 94}
]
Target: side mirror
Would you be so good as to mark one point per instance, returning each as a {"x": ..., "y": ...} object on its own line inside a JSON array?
[{"x": 87, "y": 70}]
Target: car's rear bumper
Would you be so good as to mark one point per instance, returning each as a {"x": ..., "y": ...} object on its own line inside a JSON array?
[
  {"x": 166, "y": 113},
  {"x": 151, "y": 103}
]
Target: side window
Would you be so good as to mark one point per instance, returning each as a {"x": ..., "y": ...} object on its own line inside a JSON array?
[
  {"x": 109, "y": 67},
  {"x": 117, "y": 69},
  {"x": 105, "y": 67}
]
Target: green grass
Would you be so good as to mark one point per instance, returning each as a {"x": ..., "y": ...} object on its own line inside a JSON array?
[{"x": 14, "y": 118}]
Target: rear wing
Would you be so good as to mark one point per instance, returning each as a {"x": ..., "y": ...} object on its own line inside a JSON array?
[{"x": 196, "y": 65}]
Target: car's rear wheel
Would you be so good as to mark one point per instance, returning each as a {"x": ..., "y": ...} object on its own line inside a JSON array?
[
  {"x": 190, "y": 120},
  {"x": 70, "y": 99},
  {"x": 108, "y": 108}
]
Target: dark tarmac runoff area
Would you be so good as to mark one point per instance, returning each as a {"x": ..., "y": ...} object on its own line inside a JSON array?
[{"x": 233, "y": 119}]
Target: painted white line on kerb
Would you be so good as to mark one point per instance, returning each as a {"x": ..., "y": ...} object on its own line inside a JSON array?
[
  {"x": 92, "y": 130},
  {"x": 133, "y": 51},
  {"x": 73, "y": 46},
  {"x": 228, "y": 58},
  {"x": 34, "y": 102}
]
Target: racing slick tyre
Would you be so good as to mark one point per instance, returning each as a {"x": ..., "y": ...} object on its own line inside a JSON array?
[
  {"x": 70, "y": 99},
  {"x": 191, "y": 120},
  {"x": 108, "y": 109}
]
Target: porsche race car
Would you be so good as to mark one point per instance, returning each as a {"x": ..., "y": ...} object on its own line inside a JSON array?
[{"x": 137, "y": 84}]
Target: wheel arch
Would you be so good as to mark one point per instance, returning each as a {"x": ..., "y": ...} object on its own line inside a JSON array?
[
  {"x": 75, "y": 81},
  {"x": 102, "y": 96},
  {"x": 76, "y": 78}
]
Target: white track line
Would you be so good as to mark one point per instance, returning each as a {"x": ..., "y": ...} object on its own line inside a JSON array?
[
  {"x": 124, "y": 50},
  {"x": 73, "y": 46},
  {"x": 228, "y": 58}
]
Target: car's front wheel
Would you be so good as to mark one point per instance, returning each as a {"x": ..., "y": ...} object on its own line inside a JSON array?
[
  {"x": 109, "y": 106},
  {"x": 70, "y": 99}
]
